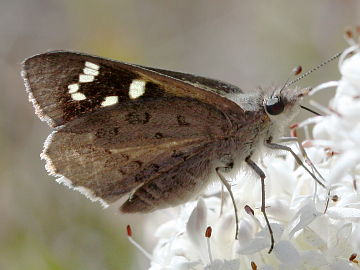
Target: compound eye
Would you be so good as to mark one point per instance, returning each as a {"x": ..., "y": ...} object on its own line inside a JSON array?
[{"x": 274, "y": 106}]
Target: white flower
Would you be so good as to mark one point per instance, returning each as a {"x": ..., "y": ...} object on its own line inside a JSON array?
[{"x": 305, "y": 236}]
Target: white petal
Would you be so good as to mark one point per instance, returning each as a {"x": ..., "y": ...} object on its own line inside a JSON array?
[
  {"x": 277, "y": 228},
  {"x": 223, "y": 236},
  {"x": 181, "y": 263},
  {"x": 350, "y": 214},
  {"x": 266, "y": 267},
  {"x": 344, "y": 164},
  {"x": 256, "y": 245},
  {"x": 167, "y": 229},
  {"x": 316, "y": 154},
  {"x": 196, "y": 224},
  {"x": 224, "y": 265},
  {"x": 348, "y": 51},
  {"x": 321, "y": 131},
  {"x": 313, "y": 258},
  {"x": 351, "y": 70},
  {"x": 245, "y": 232},
  {"x": 312, "y": 120},
  {"x": 341, "y": 265},
  {"x": 313, "y": 239},
  {"x": 305, "y": 216},
  {"x": 280, "y": 209},
  {"x": 281, "y": 177},
  {"x": 196, "y": 227},
  {"x": 287, "y": 253}
]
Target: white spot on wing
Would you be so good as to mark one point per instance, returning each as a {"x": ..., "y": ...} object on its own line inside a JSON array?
[
  {"x": 110, "y": 100},
  {"x": 89, "y": 71},
  {"x": 92, "y": 65},
  {"x": 137, "y": 89},
  {"x": 73, "y": 88},
  {"x": 78, "y": 96},
  {"x": 86, "y": 78}
]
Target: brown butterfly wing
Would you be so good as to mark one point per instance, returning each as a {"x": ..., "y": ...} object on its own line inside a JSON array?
[
  {"x": 212, "y": 85},
  {"x": 50, "y": 76},
  {"x": 179, "y": 184},
  {"x": 123, "y": 147},
  {"x": 159, "y": 146}
]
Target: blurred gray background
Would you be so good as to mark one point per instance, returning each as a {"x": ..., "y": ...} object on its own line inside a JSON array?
[{"x": 43, "y": 225}]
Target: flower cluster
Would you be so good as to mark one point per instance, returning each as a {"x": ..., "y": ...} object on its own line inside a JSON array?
[{"x": 314, "y": 228}]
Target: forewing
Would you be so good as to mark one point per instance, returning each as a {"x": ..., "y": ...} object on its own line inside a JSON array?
[
  {"x": 125, "y": 146},
  {"x": 64, "y": 85},
  {"x": 213, "y": 85}
]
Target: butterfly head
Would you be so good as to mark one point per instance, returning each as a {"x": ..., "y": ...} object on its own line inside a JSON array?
[{"x": 283, "y": 104}]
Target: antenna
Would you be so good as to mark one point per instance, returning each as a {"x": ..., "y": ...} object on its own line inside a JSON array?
[
  {"x": 296, "y": 71},
  {"x": 314, "y": 69}
]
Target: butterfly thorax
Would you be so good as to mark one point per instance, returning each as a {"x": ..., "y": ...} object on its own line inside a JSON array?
[{"x": 259, "y": 126}]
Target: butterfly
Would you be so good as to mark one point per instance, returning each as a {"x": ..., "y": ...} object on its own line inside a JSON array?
[{"x": 155, "y": 134}]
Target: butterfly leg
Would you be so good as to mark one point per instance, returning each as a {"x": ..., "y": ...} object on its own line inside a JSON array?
[
  {"x": 228, "y": 187},
  {"x": 222, "y": 199},
  {"x": 262, "y": 176},
  {"x": 303, "y": 152},
  {"x": 298, "y": 160}
]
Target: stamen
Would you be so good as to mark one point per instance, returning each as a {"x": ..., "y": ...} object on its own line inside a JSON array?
[
  {"x": 128, "y": 231},
  {"x": 293, "y": 129},
  {"x": 140, "y": 248},
  {"x": 251, "y": 213},
  {"x": 347, "y": 52},
  {"x": 354, "y": 184},
  {"x": 208, "y": 235},
  {"x": 323, "y": 86},
  {"x": 253, "y": 266},
  {"x": 222, "y": 200},
  {"x": 349, "y": 37},
  {"x": 208, "y": 232},
  {"x": 352, "y": 258},
  {"x": 349, "y": 33},
  {"x": 307, "y": 132},
  {"x": 313, "y": 120},
  {"x": 329, "y": 152},
  {"x": 357, "y": 28},
  {"x": 297, "y": 70},
  {"x": 324, "y": 109},
  {"x": 295, "y": 125},
  {"x": 249, "y": 210}
]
